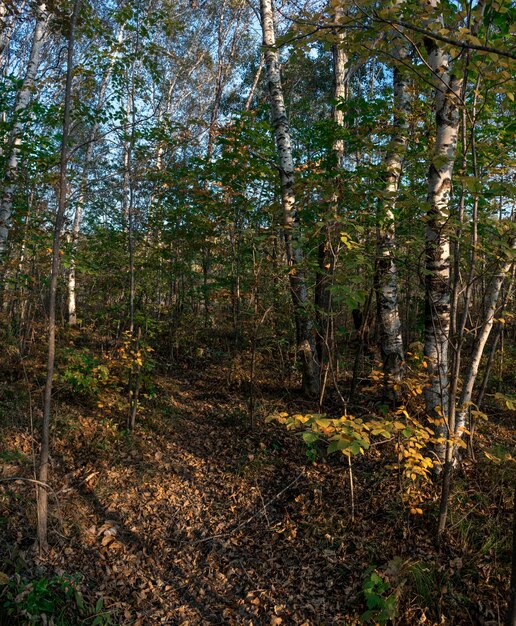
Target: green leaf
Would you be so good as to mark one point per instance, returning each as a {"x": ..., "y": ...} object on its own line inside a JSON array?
[
  {"x": 310, "y": 438},
  {"x": 338, "y": 444}
]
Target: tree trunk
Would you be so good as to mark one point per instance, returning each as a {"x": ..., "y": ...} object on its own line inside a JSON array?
[
  {"x": 22, "y": 102},
  {"x": 326, "y": 256},
  {"x": 437, "y": 281},
  {"x": 3, "y": 28},
  {"x": 256, "y": 80},
  {"x": 391, "y": 341},
  {"x": 481, "y": 340},
  {"x": 42, "y": 494},
  {"x": 294, "y": 251},
  {"x": 511, "y": 609},
  {"x": 494, "y": 344},
  {"x": 340, "y": 91},
  {"x": 72, "y": 305},
  {"x": 440, "y": 397}
]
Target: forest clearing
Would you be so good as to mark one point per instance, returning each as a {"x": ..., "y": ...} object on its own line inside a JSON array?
[{"x": 257, "y": 312}]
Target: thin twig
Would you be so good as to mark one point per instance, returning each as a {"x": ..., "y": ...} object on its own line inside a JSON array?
[{"x": 249, "y": 519}]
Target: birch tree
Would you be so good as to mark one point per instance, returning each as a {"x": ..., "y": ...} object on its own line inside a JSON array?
[
  {"x": 291, "y": 226},
  {"x": 3, "y": 27},
  {"x": 76, "y": 226},
  {"x": 23, "y": 99},
  {"x": 448, "y": 86},
  {"x": 391, "y": 342},
  {"x": 491, "y": 304}
]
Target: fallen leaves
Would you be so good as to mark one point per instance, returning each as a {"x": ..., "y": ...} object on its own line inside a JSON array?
[{"x": 196, "y": 521}]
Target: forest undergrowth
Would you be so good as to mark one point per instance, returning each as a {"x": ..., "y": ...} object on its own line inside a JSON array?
[{"x": 196, "y": 519}]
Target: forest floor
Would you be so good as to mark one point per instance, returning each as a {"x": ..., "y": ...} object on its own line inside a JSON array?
[{"x": 194, "y": 519}]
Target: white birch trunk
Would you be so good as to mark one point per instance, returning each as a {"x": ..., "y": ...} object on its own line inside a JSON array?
[
  {"x": 3, "y": 27},
  {"x": 437, "y": 302},
  {"x": 391, "y": 342},
  {"x": 72, "y": 304},
  {"x": 492, "y": 298},
  {"x": 76, "y": 227},
  {"x": 294, "y": 251},
  {"x": 340, "y": 91},
  {"x": 22, "y": 102},
  {"x": 256, "y": 80}
]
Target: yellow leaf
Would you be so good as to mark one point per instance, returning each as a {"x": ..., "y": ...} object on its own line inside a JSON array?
[{"x": 491, "y": 457}]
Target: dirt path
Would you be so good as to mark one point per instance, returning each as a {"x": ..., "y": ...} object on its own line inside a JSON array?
[
  {"x": 202, "y": 523},
  {"x": 195, "y": 520}
]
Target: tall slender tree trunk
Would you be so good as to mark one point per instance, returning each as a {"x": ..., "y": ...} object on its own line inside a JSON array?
[
  {"x": 294, "y": 251},
  {"x": 470, "y": 377},
  {"x": 3, "y": 27},
  {"x": 326, "y": 256},
  {"x": 71, "y": 303},
  {"x": 440, "y": 395},
  {"x": 128, "y": 204},
  {"x": 511, "y": 609},
  {"x": 437, "y": 283},
  {"x": 391, "y": 341},
  {"x": 340, "y": 90},
  {"x": 9, "y": 18},
  {"x": 42, "y": 494},
  {"x": 76, "y": 226},
  {"x": 495, "y": 341},
  {"x": 23, "y": 99},
  {"x": 256, "y": 80},
  {"x": 223, "y": 66}
]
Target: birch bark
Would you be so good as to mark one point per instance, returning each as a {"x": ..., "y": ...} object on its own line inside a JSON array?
[
  {"x": 437, "y": 282},
  {"x": 294, "y": 251},
  {"x": 256, "y": 80},
  {"x": 76, "y": 227},
  {"x": 391, "y": 342},
  {"x": 340, "y": 91},
  {"x": 470, "y": 377},
  {"x": 3, "y": 27},
  {"x": 23, "y": 99}
]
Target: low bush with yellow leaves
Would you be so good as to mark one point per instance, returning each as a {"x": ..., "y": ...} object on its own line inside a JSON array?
[{"x": 405, "y": 428}]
